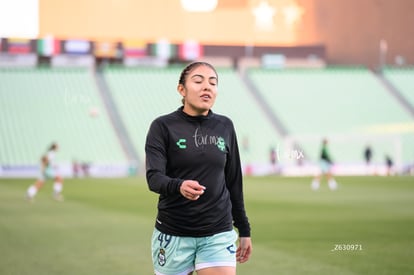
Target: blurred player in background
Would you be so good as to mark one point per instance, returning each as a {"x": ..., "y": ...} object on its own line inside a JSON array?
[
  {"x": 325, "y": 162},
  {"x": 389, "y": 164},
  {"x": 273, "y": 160},
  {"x": 368, "y": 155},
  {"x": 368, "y": 158},
  {"x": 193, "y": 163},
  {"x": 48, "y": 171}
]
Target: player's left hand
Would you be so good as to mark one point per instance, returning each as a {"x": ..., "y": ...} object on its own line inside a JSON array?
[{"x": 244, "y": 250}]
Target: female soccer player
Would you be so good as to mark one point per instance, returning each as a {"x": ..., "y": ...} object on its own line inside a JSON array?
[
  {"x": 193, "y": 163},
  {"x": 325, "y": 163},
  {"x": 48, "y": 171}
]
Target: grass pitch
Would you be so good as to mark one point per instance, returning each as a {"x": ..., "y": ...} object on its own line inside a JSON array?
[{"x": 104, "y": 226}]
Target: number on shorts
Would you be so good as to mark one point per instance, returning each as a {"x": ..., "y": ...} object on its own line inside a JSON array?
[{"x": 164, "y": 238}]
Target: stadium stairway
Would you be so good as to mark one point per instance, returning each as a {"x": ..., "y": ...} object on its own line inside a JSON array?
[
  {"x": 402, "y": 79},
  {"x": 268, "y": 111},
  {"x": 256, "y": 131},
  {"x": 277, "y": 123},
  {"x": 395, "y": 92},
  {"x": 115, "y": 118}
]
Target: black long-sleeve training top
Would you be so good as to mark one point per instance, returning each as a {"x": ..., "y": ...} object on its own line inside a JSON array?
[{"x": 203, "y": 148}]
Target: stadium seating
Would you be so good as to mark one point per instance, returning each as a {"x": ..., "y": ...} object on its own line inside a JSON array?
[
  {"x": 256, "y": 134},
  {"x": 142, "y": 94},
  {"x": 403, "y": 80},
  {"x": 348, "y": 104},
  {"x": 40, "y": 106}
]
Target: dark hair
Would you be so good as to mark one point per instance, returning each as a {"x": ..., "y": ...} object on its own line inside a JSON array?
[
  {"x": 53, "y": 146},
  {"x": 192, "y": 66}
]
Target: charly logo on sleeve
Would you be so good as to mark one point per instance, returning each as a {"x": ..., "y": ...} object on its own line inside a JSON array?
[{"x": 181, "y": 143}]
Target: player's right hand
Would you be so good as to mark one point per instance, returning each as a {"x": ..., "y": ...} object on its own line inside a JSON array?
[{"x": 191, "y": 189}]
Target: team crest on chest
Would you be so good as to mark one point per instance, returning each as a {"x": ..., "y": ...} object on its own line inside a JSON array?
[{"x": 221, "y": 144}]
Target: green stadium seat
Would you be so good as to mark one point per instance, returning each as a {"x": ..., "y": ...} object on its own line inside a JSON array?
[
  {"x": 40, "y": 106},
  {"x": 142, "y": 94},
  {"x": 348, "y": 104}
]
